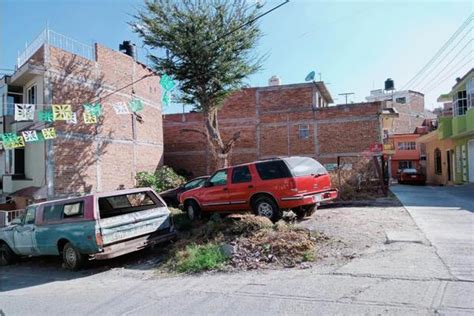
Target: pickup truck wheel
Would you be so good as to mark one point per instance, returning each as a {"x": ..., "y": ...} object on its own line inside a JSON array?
[
  {"x": 265, "y": 206},
  {"x": 192, "y": 210},
  {"x": 73, "y": 259},
  {"x": 7, "y": 256}
]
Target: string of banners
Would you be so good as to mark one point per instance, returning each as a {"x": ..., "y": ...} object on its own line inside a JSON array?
[
  {"x": 59, "y": 112},
  {"x": 64, "y": 112}
]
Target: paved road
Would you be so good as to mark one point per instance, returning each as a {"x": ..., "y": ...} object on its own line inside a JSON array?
[
  {"x": 446, "y": 216},
  {"x": 400, "y": 278}
]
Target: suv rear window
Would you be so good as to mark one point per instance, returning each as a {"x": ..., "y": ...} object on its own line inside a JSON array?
[
  {"x": 275, "y": 169},
  {"x": 304, "y": 166}
]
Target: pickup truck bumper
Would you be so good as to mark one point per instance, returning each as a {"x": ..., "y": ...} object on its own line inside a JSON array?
[
  {"x": 307, "y": 199},
  {"x": 135, "y": 244}
]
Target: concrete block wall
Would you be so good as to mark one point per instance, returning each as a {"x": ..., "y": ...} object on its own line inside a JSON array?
[{"x": 269, "y": 119}]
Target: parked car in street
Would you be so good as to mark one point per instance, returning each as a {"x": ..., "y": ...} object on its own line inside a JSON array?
[
  {"x": 95, "y": 226},
  {"x": 171, "y": 196},
  {"x": 267, "y": 187},
  {"x": 411, "y": 176}
]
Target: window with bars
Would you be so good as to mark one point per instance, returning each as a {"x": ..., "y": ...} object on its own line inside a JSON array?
[
  {"x": 406, "y": 146},
  {"x": 303, "y": 132}
]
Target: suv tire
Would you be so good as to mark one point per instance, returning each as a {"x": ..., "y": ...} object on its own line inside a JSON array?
[
  {"x": 7, "y": 256},
  {"x": 72, "y": 258},
  {"x": 266, "y": 206},
  {"x": 192, "y": 210}
]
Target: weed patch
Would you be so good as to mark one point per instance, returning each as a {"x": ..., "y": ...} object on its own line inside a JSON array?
[{"x": 196, "y": 258}]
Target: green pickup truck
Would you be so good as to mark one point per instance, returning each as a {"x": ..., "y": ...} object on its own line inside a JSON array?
[{"x": 95, "y": 226}]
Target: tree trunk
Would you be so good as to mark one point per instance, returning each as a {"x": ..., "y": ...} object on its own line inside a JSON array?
[{"x": 221, "y": 151}]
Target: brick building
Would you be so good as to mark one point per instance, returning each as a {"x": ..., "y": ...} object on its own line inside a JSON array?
[
  {"x": 84, "y": 157},
  {"x": 410, "y": 106},
  {"x": 279, "y": 120}
]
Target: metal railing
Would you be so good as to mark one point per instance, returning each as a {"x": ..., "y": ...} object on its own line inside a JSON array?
[
  {"x": 6, "y": 217},
  {"x": 57, "y": 40}
]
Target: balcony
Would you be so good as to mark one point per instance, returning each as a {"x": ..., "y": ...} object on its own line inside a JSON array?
[
  {"x": 459, "y": 125},
  {"x": 470, "y": 120}
]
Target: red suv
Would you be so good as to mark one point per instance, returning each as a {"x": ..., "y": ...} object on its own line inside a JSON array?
[{"x": 267, "y": 187}]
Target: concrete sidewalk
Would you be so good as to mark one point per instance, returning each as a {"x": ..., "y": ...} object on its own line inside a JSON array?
[{"x": 446, "y": 217}]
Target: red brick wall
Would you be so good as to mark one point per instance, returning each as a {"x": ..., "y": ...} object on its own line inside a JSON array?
[
  {"x": 105, "y": 156},
  {"x": 269, "y": 119}
]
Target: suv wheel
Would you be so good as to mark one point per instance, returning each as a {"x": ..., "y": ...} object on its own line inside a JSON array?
[
  {"x": 7, "y": 256},
  {"x": 73, "y": 259},
  {"x": 266, "y": 206},
  {"x": 192, "y": 210}
]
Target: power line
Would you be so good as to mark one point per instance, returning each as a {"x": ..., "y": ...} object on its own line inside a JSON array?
[
  {"x": 449, "y": 63},
  {"x": 218, "y": 39},
  {"x": 441, "y": 50},
  {"x": 444, "y": 57},
  {"x": 249, "y": 22},
  {"x": 451, "y": 75}
]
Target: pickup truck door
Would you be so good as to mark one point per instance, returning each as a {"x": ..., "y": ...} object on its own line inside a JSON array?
[{"x": 24, "y": 234}]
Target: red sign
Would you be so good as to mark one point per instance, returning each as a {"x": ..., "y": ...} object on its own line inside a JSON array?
[{"x": 376, "y": 147}]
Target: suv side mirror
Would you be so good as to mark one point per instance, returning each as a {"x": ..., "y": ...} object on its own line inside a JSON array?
[{"x": 208, "y": 184}]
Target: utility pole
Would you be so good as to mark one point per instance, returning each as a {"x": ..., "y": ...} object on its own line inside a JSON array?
[{"x": 346, "y": 95}]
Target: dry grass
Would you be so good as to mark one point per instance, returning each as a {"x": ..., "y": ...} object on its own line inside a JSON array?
[
  {"x": 250, "y": 241},
  {"x": 359, "y": 182}
]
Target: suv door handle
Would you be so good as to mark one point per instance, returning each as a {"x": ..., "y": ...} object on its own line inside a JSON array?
[
  {"x": 250, "y": 186},
  {"x": 225, "y": 189}
]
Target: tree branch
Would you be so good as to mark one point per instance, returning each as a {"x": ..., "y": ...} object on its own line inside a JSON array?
[
  {"x": 192, "y": 130},
  {"x": 231, "y": 142}
]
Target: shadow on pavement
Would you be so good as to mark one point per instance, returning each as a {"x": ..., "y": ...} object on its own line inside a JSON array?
[
  {"x": 452, "y": 197},
  {"x": 36, "y": 271}
]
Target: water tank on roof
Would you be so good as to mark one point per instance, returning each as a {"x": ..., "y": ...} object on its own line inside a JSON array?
[
  {"x": 274, "y": 81},
  {"x": 128, "y": 49},
  {"x": 389, "y": 84}
]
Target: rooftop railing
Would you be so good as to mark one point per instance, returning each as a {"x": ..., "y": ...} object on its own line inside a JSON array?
[{"x": 57, "y": 40}]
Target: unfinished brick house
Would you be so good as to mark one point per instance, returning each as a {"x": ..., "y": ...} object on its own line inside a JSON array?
[
  {"x": 410, "y": 106},
  {"x": 278, "y": 120},
  {"x": 55, "y": 69}
]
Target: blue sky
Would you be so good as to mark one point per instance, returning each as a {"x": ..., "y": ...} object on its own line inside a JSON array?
[{"x": 355, "y": 45}]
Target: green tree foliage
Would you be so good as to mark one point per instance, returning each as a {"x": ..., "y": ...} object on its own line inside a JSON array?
[
  {"x": 209, "y": 53},
  {"x": 162, "y": 179}
]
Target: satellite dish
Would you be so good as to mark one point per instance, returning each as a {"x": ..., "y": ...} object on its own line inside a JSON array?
[{"x": 310, "y": 76}]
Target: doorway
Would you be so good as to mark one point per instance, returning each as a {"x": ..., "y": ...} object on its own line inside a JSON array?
[
  {"x": 449, "y": 159},
  {"x": 470, "y": 158}
]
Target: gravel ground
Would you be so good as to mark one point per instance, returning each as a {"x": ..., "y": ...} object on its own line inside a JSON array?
[
  {"x": 342, "y": 233},
  {"x": 356, "y": 229}
]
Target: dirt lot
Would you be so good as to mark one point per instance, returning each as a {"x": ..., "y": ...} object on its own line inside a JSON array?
[
  {"x": 342, "y": 233},
  {"x": 356, "y": 229}
]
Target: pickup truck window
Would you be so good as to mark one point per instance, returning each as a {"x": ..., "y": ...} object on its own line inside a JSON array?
[
  {"x": 52, "y": 213},
  {"x": 30, "y": 216},
  {"x": 126, "y": 203},
  {"x": 73, "y": 210}
]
